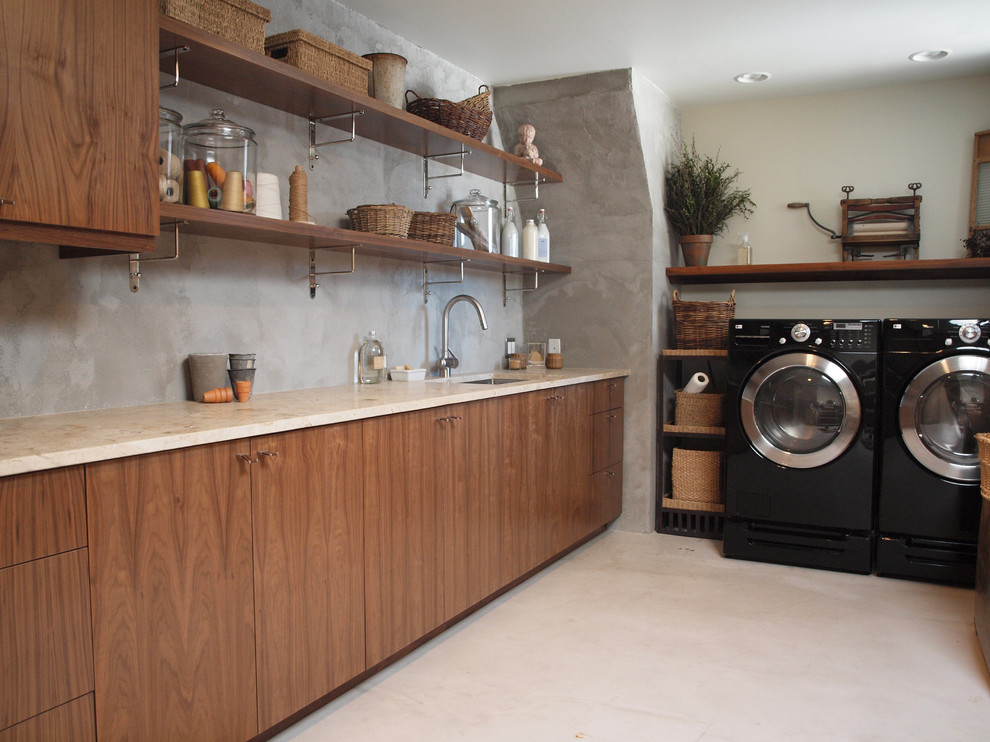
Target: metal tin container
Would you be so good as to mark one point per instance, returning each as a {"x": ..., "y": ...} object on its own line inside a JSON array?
[
  {"x": 219, "y": 164},
  {"x": 479, "y": 223}
]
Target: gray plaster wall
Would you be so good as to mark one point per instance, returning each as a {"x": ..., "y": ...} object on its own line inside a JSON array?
[
  {"x": 73, "y": 336},
  {"x": 609, "y": 134}
]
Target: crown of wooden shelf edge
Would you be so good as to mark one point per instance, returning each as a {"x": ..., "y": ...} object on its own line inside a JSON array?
[
  {"x": 248, "y": 227},
  {"x": 860, "y": 270},
  {"x": 244, "y": 73}
]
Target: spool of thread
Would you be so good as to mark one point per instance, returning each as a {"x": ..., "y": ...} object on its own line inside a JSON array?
[
  {"x": 299, "y": 197},
  {"x": 169, "y": 164},
  {"x": 217, "y": 173},
  {"x": 168, "y": 190},
  {"x": 196, "y": 189},
  {"x": 696, "y": 384},
  {"x": 233, "y": 192},
  {"x": 268, "y": 201},
  {"x": 213, "y": 196}
]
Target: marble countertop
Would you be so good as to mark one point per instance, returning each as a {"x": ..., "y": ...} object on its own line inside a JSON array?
[{"x": 49, "y": 441}]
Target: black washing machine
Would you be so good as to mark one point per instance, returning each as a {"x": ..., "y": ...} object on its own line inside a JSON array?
[
  {"x": 936, "y": 397},
  {"x": 801, "y": 419}
]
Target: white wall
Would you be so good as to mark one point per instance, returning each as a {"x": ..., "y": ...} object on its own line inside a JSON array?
[{"x": 878, "y": 140}]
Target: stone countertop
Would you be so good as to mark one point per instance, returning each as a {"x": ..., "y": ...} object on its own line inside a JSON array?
[{"x": 50, "y": 441}]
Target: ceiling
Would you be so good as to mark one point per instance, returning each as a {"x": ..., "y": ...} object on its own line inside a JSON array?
[{"x": 692, "y": 49}]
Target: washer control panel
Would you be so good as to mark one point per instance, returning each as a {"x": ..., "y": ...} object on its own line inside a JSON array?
[{"x": 850, "y": 335}]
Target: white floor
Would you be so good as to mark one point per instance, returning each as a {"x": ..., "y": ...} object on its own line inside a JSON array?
[{"x": 658, "y": 638}]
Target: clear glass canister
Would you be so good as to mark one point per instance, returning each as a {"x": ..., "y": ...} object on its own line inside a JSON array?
[
  {"x": 219, "y": 164},
  {"x": 479, "y": 223},
  {"x": 169, "y": 155}
]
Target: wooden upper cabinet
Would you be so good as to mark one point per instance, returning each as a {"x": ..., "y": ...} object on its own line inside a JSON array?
[
  {"x": 309, "y": 565},
  {"x": 173, "y": 596},
  {"x": 78, "y": 116}
]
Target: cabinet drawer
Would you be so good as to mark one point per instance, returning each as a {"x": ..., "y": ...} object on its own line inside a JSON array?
[
  {"x": 607, "y": 439},
  {"x": 607, "y": 394},
  {"x": 46, "y": 650},
  {"x": 607, "y": 495},
  {"x": 74, "y": 721},
  {"x": 41, "y": 514}
]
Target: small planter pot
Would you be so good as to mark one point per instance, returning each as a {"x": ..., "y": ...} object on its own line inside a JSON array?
[{"x": 695, "y": 248}]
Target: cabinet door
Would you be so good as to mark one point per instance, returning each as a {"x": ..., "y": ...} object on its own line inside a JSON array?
[
  {"x": 607, "y": 437},
  {"x": 468, "y": 455},
  {"x": 78, "y": 113},
  {"x": 568, "y": 465},
  {"x": 173, "y": 596},
  {"x": 46, "y": 651},
  {"x": 309, "y": 568},
  {"x": 72, "y": 722},
  {"x": 403, "y": 533}
]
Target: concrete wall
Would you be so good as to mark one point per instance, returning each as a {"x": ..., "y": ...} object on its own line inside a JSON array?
[
  {"x": 878, "y": 140},
  {"x": 608, "y": 134},
  {"x": 74, "y": 337}
]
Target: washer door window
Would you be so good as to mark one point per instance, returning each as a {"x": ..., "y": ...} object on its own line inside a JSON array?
[
  {"x": 800, "y": 410},
  {"x": 942, "y": 409}
]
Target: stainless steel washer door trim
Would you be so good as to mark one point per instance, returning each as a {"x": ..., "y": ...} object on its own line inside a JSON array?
[
  {"x": 907, "y": 412},
  {"x": 827, "y": 368}
]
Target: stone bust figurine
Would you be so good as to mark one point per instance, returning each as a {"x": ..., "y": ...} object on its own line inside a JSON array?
[{"x": 526, "y": 148}]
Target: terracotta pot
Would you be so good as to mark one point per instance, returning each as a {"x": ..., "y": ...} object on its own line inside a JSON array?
[{"x": 695, "y": 248}]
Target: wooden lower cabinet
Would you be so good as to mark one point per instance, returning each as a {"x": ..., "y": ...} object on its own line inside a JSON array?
[
  {"x": 403, "y": 537},
  {"x": 41, "y": 514},
  {"x": 173, "y": 597},
  {"x": 308, "y": 565},
  {"x": 71, "y": 722}
]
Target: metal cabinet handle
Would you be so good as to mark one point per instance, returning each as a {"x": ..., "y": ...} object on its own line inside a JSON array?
[
  {"x": 272, "y": 454},
  {"x": 247, "y": 457},
  {"x": 6, "y": 201},
  {"x": 555, "y": 396}
]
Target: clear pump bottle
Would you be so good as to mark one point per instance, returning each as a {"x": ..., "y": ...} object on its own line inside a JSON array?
[
  {"x": 371, "y": 361},
  {"x": 745, "y": 251},
  {"x": 543, "y": 237}
]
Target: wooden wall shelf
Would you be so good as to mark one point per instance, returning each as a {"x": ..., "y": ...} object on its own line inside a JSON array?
[{"x": 878, "y": 270}]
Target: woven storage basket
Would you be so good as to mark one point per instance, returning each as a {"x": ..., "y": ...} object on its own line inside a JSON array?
[
  {"x": 983, "y": 441},
  {"x": 462, "y": 119},
  {"x": 240, "y": 21},
  {"x": 480, "y": 101},
  {"x": 702, "y": 324},
  {"x": 699, "y": 410},
  {"x": 388, "y": 219},
  {"x": 433, "y": 226},
  {"x": 320, "y": 58},
  {"x": 696, "y": 475}
]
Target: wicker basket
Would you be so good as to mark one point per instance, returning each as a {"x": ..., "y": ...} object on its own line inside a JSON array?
[
  {"x": 462, "y": 119},
  {"x": 983, "y": 441},
  {"x": 240, "y": 21},
  {"x": 433, "y": 226},
  {"x": 387, "y": 219},
  {"x": 699, "y": 410},
  {"x": 703, "y": 324},
  {"x": 479, "y": 102},
  {"x": 696, "y": 475},
  {"x": 320, "y": 58}
]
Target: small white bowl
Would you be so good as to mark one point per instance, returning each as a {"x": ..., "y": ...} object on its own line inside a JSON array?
[{"x": 408, "y": 374}]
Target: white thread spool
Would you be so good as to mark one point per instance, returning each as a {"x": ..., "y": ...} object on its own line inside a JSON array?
[
  {"x": 696, "y": 384},
  {"x": 268, "y": 200}
]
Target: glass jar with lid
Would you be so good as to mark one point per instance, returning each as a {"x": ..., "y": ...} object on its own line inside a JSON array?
[
  {"x": 169, "y": 155},
  {"x": 479, "y": 222},
  {"x": 219, "y": 164}
]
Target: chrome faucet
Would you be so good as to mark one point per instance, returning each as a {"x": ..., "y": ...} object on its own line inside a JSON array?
[{"x": 447, "y": 359}]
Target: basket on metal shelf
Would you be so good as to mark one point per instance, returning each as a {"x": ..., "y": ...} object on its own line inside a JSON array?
[
  {"x": 702, "y": 324},
  {"x": 696, "y": 476},
  {"x": 386, "y": 219},
  {"x": 433, "y": 226},
  {"x": 479, "y": 102},
  {"x": 699, "y": 410},
  {"x": 460, "y": 118},
  {"x": 240, "y": 21}
]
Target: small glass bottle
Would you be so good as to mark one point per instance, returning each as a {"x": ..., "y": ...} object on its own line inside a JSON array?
[
  {"x": 745, "y": 250},
  {"x": 543, "y": 237},
  {"x": 530, "y": 236},
  {"x": 510, "y": 234},
  {"x": 371, "y": 361}
]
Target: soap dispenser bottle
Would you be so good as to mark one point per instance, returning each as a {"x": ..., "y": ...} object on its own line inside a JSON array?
[
  {"x": 745, "y": 251},
  {"x": 371, "y": 361}
]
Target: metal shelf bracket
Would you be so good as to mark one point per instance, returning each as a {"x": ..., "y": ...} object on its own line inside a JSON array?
[
  {"x": 426, "y": 168},
  {"x": 313, "y": 273},
  {"x": 135, "y": 259},
  {"x": 505, "y": 285},
  {"x": 175, "y": 51},
  {"x": 426, "y": 275},
  {"x": 314, "y": 145},
  {"x": 536, "y": 190}
]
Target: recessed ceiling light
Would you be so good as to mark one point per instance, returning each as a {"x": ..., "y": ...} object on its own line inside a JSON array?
[
  {"x": 930, "y": 55},
  {"x": 751, "y": 77}
]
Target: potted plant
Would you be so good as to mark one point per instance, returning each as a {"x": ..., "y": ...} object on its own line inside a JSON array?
[
  {"x": 978, "y": 244},
  {"x": 700, "y": 199}
]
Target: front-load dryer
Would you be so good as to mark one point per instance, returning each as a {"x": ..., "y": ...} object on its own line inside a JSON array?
[
  {"x": 936, "y": 397},
  {"x": 801, "y": 416}
]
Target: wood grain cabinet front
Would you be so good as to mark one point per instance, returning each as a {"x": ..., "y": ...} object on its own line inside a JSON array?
[{"x": 78, "y": 155}]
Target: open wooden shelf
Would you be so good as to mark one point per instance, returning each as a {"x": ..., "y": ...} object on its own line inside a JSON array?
[
  {"x": 236, "y": 226},
  {"x": 225, "y": 66},
  {"x": 871, "y": 270}
]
